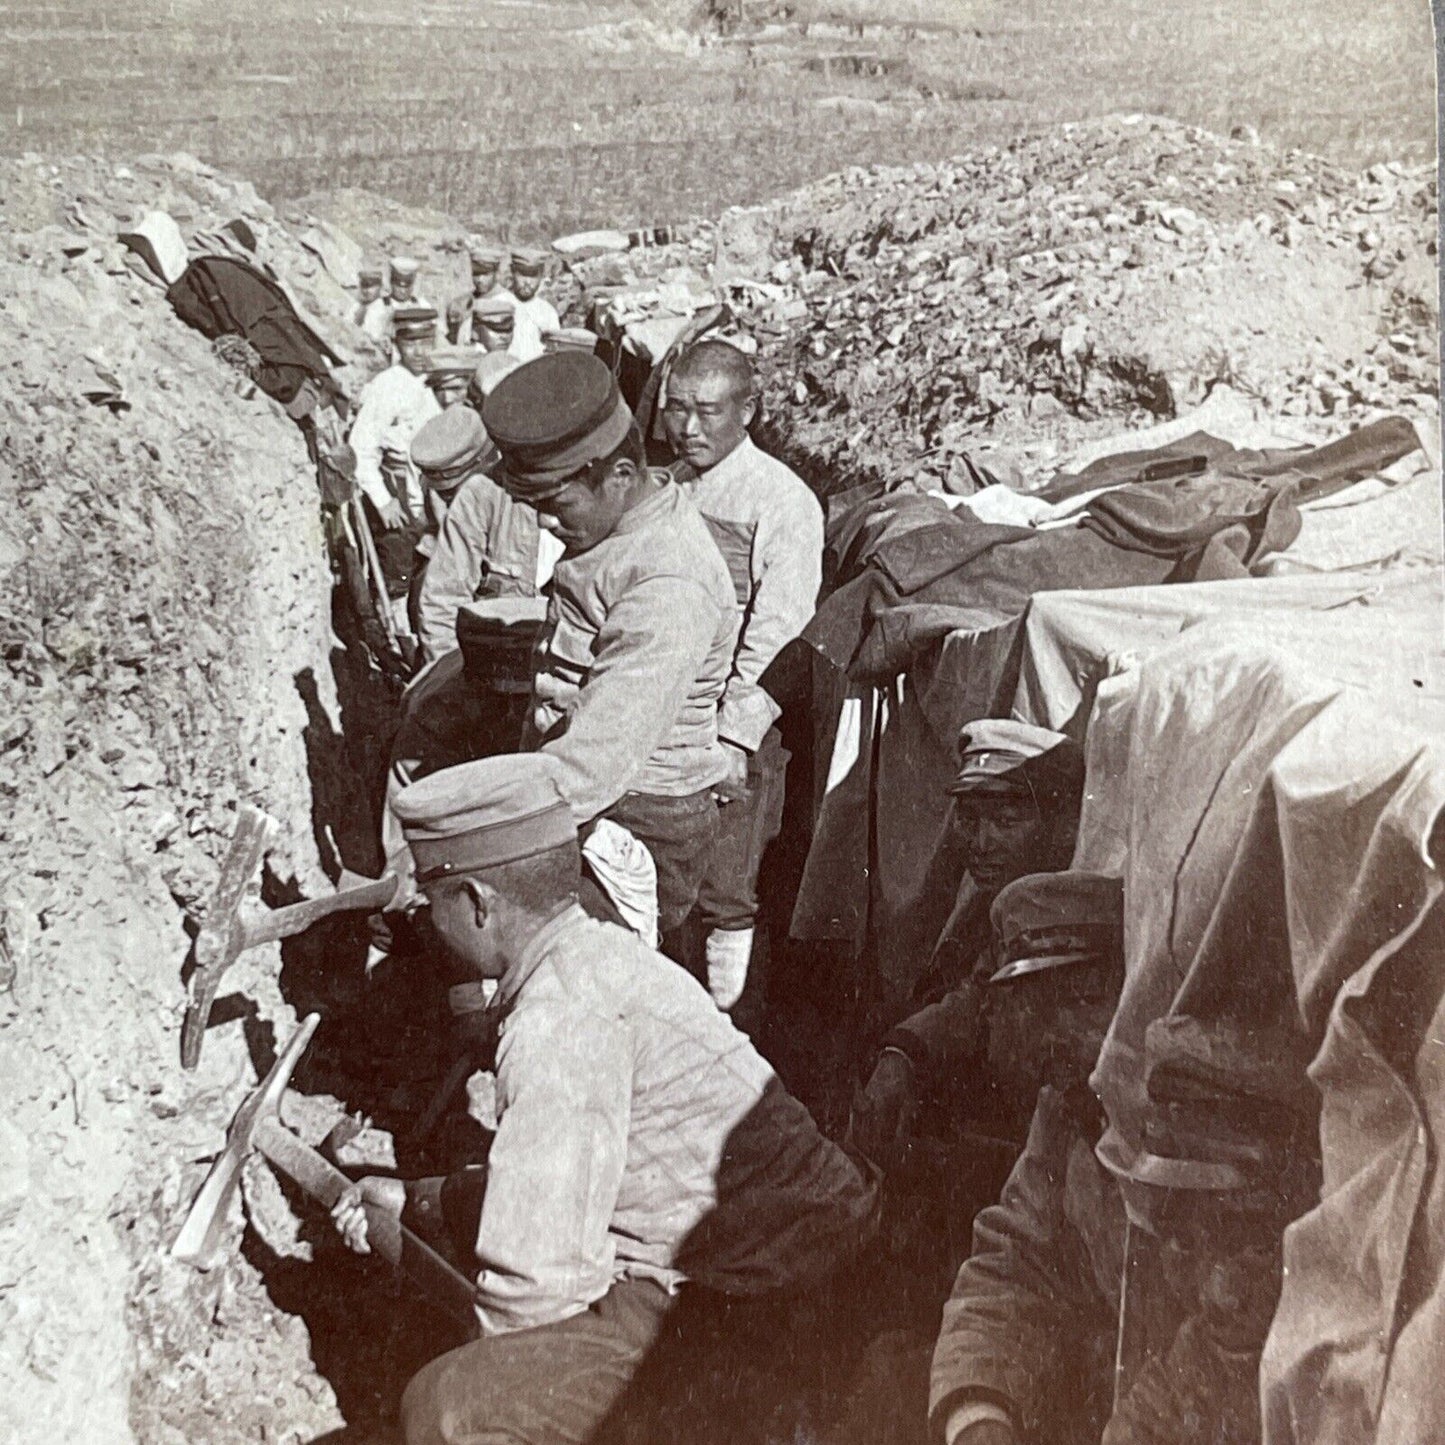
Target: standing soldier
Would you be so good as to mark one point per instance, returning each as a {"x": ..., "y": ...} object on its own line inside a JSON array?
[
  {"x": 404, "y": 297},
  {"x": 450, "y": 376},
  {"x": 641, "y": 624},
  {"x": 769, "y": 529},
  {"x": 394, "y": 405},
  {"x": 493, "y": 323},
  {"x": 451, "y": 449},
  {"x": 373, "y": 311},
  {"x": 403, "y": 283},
  {"x": 535, "y": 314},
  {"x": 486, "y": 263}
]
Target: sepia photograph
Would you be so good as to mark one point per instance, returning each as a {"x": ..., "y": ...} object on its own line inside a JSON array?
[{"x": 722, "y": 723}]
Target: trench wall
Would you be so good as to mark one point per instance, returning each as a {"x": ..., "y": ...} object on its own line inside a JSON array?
[{"x": 165, "y": 652}]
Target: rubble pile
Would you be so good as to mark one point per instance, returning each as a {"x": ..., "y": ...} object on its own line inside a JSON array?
[
  {"x": 165, "y": 652},
  {"x": 1112, "y": 271}
]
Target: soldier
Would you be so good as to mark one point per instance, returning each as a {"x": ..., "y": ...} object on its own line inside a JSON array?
[
  {"x": 647, "y": 1163},
  {"x": 450, "y": 449},
  {"x": 1016, "y": 811},
  {"x": 769, "y": 529},
  {"x": 450, "y": 376},
  {"x": 493, "y": 327},
  {"x": 1132, "y": 1309},
  {"x": 535, "y": 314},
  {"x": 373, "y": 311},
  {"x": 404, "y": 293},
  {"x": 486, "y": 262},
  {"x": 488, "y": 545},
  {"x": 641, "y": 624},
  {"x": 393, "y": 406}
]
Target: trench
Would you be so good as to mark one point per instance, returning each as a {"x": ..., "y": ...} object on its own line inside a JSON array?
[{"x": 386, "y": 1043}]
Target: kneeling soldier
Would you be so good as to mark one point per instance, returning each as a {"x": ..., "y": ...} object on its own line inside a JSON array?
[{"x": 645, "y": 1153}]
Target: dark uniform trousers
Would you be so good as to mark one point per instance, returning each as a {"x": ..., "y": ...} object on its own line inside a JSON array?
[
  {"x": 556, "y": 1383},
  {"x": 639, "y": 1367},
  {"x": 681, "y": 834},
  {"x": 728, "y": 896}
]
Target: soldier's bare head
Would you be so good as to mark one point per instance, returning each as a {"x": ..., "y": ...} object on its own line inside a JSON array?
[{"x": 711, "y": 402}]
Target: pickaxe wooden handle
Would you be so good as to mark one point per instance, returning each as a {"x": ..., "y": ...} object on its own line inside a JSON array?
[
  {"x": 228, "y": 930},
  {"x": 443, "y": 1285},
  {"x": 258, "y": 1127}
]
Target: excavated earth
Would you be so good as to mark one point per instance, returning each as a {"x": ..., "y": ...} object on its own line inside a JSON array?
[{"x": 169, "y": 653}]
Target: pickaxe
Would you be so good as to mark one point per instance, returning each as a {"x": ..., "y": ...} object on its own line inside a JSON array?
[
  {"x": 228, "y": 930},
  {"x": 257, "y": 1126}
]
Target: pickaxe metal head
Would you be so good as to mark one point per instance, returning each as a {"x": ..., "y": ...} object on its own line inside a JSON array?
[
  {"x": 228, "y": 929},
  {"x": 199, "y": 1239},
  {"x": 258, "y": 1127},
  {"x": 222, "y": 935}
]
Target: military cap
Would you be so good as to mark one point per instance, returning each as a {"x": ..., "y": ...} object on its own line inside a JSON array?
[
  {"x": 484, "y": 256},
  {"x": 1000, "y": 754},
  {"x": 404, "y": 266},
  {"x": 413, "y": 323},
  {"x": 553, "y": 416},
  {"x": 371, "y": 271},
  {"x": 569, "y": 338},
  {"x": 487, "y": 372},
  {"x": 531, "y": 260},
  {"x": 1054, "y": 920},
  {"x": 497, "y": 636},
  {"x": 452, "y": 445},
  {"x": 497, "y": 311},
  {"x": 453, "y": 365},
  {"x": 479, "y": 815},
  {"x": 1231, "y": 1106}
]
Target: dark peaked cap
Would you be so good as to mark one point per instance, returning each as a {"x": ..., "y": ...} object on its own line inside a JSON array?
[{"x": 553, "y": 416}]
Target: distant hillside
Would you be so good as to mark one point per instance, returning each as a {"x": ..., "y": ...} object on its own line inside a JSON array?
[{"x": 551, "y": 114}]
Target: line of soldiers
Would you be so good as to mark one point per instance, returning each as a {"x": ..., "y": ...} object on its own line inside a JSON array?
[
  {"x": 492, "y": 317},
  {"x": 589, "y": 766},
  {"x": 645, "y": 1152},
  {"x": 492, "y": 330}
]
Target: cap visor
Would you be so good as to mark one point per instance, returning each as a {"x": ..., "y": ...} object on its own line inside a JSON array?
[{"x": 1023, "y": 967}]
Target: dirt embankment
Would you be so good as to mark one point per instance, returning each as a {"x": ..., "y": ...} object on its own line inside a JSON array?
[
  {"x": 164, "y": 621},
  {"x": 1098, "y": 275}
]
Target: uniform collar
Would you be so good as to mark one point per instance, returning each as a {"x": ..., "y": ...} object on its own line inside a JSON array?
[
  {"x": 542, "y": 943},
  {"x": 736, "y": 461},
  {"x": 647, "y": 510}
]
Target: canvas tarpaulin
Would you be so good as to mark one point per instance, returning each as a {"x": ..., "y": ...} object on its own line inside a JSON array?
[
  {"x": 882, "y": 813},
  {"x": 1272, "y": 819}
]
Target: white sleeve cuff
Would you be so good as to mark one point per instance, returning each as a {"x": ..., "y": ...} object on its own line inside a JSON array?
[
  {"x": 744, "y": 720},
  {"x": 975, "y": 1412}
]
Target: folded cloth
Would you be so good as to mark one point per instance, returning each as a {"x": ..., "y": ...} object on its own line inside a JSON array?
[
  {"x": 1213, "y": 526},
  {"x": 625, "y": 871}
]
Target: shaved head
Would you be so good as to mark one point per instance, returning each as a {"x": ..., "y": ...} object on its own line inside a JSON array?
[
  {"x": 711, "y": 402},
  {"x": 717, "y": 358}
]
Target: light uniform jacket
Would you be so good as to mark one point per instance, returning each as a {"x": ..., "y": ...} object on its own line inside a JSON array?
[
  {"x": 487, "y": 546},
  {"x": 459, "y": 316},
  {"x": 394, "y": 405},
  {"x": 641, "y": 1135},
  {"x": 769, "y": 528},
  {"x": 532, "y": 319},
  {"x": 636, "y": 649},
  {"x": 375, "y": 319}
]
